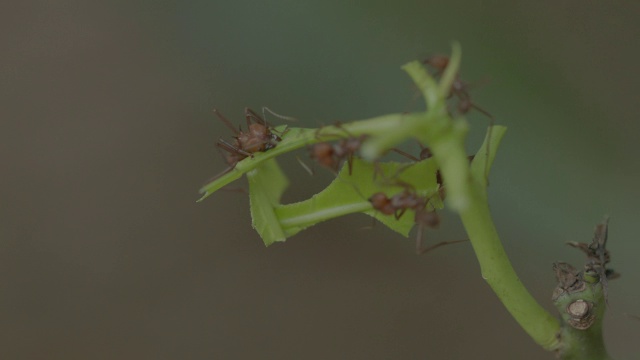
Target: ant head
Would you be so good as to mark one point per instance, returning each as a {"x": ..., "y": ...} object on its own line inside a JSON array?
[
  {"x": 437, "y": 62},
  {"x": 382, "y": 203}
]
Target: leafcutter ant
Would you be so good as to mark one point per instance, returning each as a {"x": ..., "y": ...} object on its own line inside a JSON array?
[
  {"x": 460, "y": 90},
  {"x": 438, "y": 62},
  {"x": 331, "y": 156},
  {"x": 259, "y": 137},
  {"x": 425, "y": 153},
  {"x": 408, "y": 199}
]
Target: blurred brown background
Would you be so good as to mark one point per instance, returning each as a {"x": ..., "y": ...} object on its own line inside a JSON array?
[{"x": 107, "y": 133}]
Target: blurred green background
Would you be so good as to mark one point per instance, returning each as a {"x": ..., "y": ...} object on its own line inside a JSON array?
[{"x": 107, "y": 133}]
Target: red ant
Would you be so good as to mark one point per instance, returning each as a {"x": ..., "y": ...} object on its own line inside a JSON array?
[
  {"x": 438, "y": 62},
  {"x": 425, "y": 153},
  {"x": 460, "y": 90},
  {"x": 332, "y": 156},
  {"x": 398, "y": 204},
  {"x": 259, "y": 137}
]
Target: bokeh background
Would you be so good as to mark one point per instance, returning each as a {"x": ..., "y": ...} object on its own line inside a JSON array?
[{"x": 107, "y": 134}]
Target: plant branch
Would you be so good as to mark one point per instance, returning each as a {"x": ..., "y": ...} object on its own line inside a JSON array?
[{"x": 467, "y": 195}]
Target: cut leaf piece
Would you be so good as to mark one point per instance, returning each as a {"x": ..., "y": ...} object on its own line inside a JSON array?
[
  {"x": 486, "y": 154},
  {"x": 349, "y": 194},
  {"x": 267, "y": 183}
]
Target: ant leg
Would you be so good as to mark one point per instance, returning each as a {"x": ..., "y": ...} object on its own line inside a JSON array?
[
  {"x": 223, "y": 172},
  {"x": 350, "y": 162},
  {"x": 421, "y": 251},
  {"x": 339, "y": 126},
  {"x": 377, "y": 170},
  {"x": 251, "y": 115},
  {"x": 461, "y": 89},
  {"x": 225, "y": 121},
  {"x": 316, "y": 134},
  {"x": 281, "y": 133},
  {"x": 232, "y": 149},
  {"x": 483, "y": 111},
  {"x": 398, "y": 214},
  {"x": 407, "y": 155},
  {"x": 432, "y": 220}
]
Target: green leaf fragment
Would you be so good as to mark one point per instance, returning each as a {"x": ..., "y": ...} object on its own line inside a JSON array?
[
  {"x": 349, "y": 194},
  {"x": 267, "y": 183},
  {"x": 486, "y": 154}
]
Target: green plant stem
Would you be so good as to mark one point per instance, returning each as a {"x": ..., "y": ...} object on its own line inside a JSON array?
[
  {"x": 468, "y": 198},
  {"x": 466, "y": 194},
  {"x": 496, "y": 269}
]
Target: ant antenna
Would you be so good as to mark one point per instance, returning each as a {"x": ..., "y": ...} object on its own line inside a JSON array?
[{"x": 266, "y": 109}]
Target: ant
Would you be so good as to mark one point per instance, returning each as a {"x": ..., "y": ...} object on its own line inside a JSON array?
[
  {"x": 332, "y": 156},
  {"x": 437, "y": 62},
  {"x": 426, "y": 153},
  {"x": 408, "y": 199},
  {"x": 460, "y": 90},
  {"x": 259, "y": 137}
]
